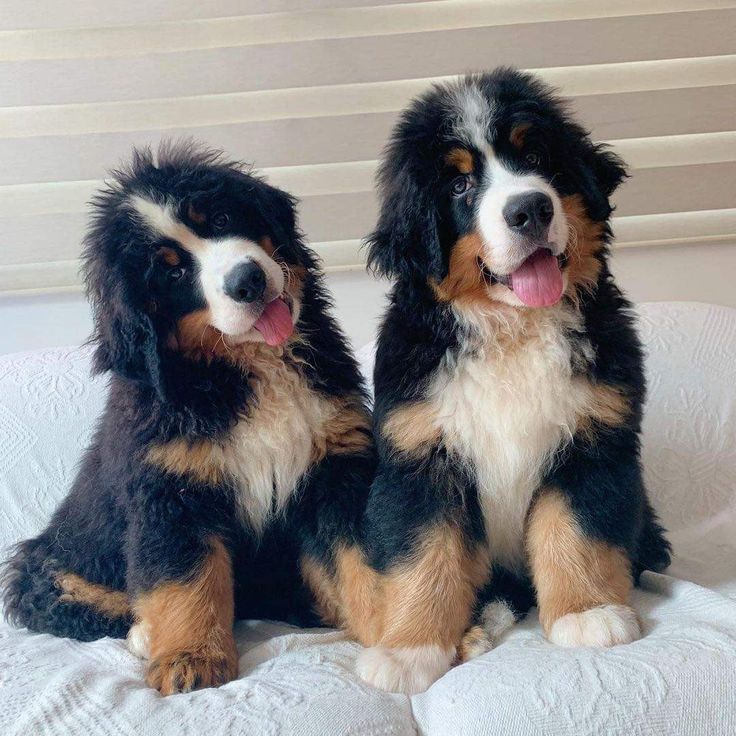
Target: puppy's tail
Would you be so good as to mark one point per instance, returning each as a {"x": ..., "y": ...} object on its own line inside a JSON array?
[
  {"x": 505, "y": 600},
  {"x": 654, "y": 552},
  {"x": 39, "y": 595}
]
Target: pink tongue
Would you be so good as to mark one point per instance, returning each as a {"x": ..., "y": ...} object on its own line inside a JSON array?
[
  {"x": 275, "y": 322},
  {"x": 538, "y": 281}
]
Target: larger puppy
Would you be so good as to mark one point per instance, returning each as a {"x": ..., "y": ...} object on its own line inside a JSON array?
[
  {"x": 235, "y": 444},
  {"x": 509, "y": 385}
]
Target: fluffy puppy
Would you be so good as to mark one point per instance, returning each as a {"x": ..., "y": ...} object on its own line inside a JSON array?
[
  {"x": 508, "y": 383},
  {"x": 235, "y": 445}
]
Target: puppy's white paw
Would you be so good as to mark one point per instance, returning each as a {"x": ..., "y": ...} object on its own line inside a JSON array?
[
  {"x": 407, "y": 670},
  {"x": 603, "y": 626},
  {"x": 138, "y": 640}
]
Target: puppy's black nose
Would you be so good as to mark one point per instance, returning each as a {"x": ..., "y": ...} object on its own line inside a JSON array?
[
  {"x": 529, "y": 214},
  {"x": 246, "y": 282}
]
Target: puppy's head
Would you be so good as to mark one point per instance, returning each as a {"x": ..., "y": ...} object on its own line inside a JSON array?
[
  {"x": 189, "y": 254},
  {"x": 492, "y": 194}
]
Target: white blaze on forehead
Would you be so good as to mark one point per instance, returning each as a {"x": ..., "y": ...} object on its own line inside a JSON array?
[
  {"x": 161, "y": 219},
  {"x": 216, "y": 257},
  {"x": 473, "y": 117}
]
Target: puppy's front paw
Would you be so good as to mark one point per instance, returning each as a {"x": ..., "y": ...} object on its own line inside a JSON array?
[
  {"x": 603, "y": 626},
  {"x": 184, "y": 671},
  {"x": 407, "y": 670}
]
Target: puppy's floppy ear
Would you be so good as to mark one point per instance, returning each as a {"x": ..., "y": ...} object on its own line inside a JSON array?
[
  {"x": 124, "y": 334},
  {"x": 406, "y": 241},
  {"x": 601, "y": 171}
]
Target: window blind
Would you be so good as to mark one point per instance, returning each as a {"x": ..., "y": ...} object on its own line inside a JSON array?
[{"x": 309, "y": 91}]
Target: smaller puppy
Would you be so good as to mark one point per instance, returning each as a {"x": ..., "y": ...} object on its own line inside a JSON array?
[
  {"x": 235, "y": 447},
  {"x": 509, "y": 387}
]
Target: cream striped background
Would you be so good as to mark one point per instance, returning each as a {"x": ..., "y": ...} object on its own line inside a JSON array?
[{"x": 308, "y": 91}]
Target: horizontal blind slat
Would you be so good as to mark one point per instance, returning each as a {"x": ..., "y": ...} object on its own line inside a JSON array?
[
  {"x": 281, "y": 28},
  {"x": 92, "y": 13},
  {"x": 353, "y": 137},
  {"x": 358, "y": 176},
  {"x": 377, "y": 59}
]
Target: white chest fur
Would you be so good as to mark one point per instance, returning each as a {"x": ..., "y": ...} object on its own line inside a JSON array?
[
  {"x": 270, "y": 450},
  {"x": 505, "y": 409}
]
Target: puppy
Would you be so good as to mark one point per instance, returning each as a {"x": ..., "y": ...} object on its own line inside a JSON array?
[
  {"x": 235, "y": 446},
  {"x": 508, "y": 387}
]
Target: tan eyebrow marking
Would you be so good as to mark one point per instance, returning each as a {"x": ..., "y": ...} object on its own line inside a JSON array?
[
  {"x": 518, "y": 133},
  {"x": 267, "y": 244},
  {"x": 461, "y": 159},
  {"x": 195, "y": 216},
  {"x": 169, "y": 256}
]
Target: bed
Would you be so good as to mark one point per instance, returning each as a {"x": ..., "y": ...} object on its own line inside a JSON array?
[{"x": 680, "y": 678}]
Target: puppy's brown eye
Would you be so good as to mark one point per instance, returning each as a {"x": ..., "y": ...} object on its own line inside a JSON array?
[
  {"x": 532, "y": 158},
  {"x": 220, "y": 220},
  {"x": 176, "y": 274},
  {"x": 460, "y": 185}
]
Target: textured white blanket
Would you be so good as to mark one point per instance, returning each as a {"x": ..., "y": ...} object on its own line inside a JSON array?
[{"x": 679, "y": 679}]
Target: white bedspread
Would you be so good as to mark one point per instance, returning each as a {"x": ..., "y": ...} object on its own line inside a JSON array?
[{"x": 679, "y": 679}]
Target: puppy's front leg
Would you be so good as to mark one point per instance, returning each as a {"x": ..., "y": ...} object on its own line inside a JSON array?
[
  {"x": 582, "y": 578},
  {"x": 427, "y": 603},
  {"x": 181, "y": 576},
  {"x": 428, "y": 561},
  {"x": 189, "y": 626}
]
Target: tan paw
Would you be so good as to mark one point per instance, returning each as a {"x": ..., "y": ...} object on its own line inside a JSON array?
[{"x": 184, "y": 671}]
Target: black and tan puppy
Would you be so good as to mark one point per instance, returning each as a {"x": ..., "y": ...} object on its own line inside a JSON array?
[
  {"x": 509, "y": 387},
  {"x": 235, "y": 443}
]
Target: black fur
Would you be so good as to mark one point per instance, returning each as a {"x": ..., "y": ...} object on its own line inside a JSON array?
[
  {"x": 129, "y": 525},
  {"x": 418, "y": 227}
]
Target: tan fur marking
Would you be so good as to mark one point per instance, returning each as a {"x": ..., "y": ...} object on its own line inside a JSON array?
[
  {"x": 429, "y": 599},
  {"x": 191, "y": 628},
  {"x": 571, "y": 572},
  {"x": 584, "y": 244},
  {"x": 349, "y": 597},
  {"x": 518, "y": 133},
  {"x": 474, "y": 642},
  {"x": 197, "y": 338},
  {"x": 195, "y": 216},
  {"x": 348, "y": 431},
  {"x": 412, "y": 428},
  {"x": 359, "y": 587},
  {"x": 107, "y": 601},
  {"x": 461, "y": 159},
  {"x": 464, "y": 281},
  {"x": 322, "y": 586},
  {"x": 200, "y": 459},
  {"x": 169, "y": 256},
  {"x": 267, "y": 244},
  {"x": 607, "y": 405}
]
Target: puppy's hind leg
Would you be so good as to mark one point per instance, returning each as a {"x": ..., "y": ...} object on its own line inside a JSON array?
[{"x": 43, "y": 596}]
